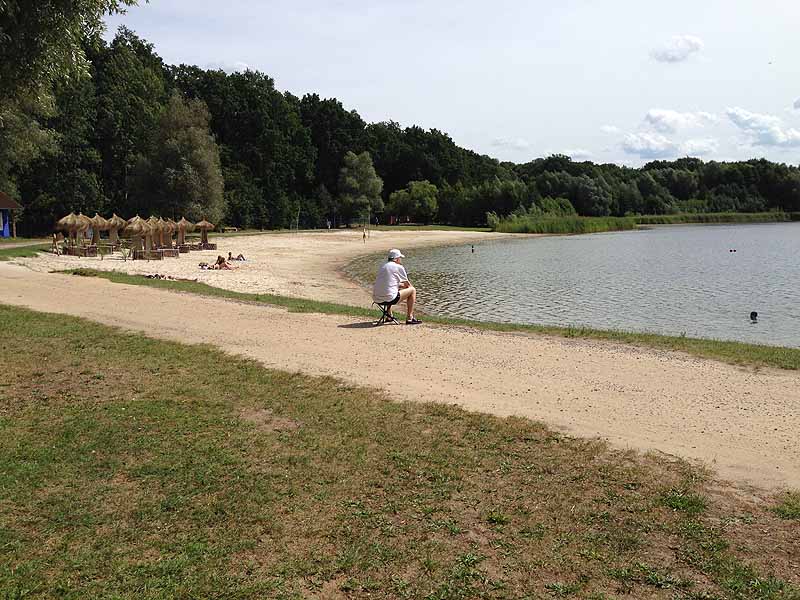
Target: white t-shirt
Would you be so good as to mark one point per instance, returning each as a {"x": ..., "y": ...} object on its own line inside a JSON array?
[{"x": 387, "y": 283}]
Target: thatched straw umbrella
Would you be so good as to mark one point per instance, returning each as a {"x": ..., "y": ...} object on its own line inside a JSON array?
[
  {"x": 172, "y": 227},
  {"x": 204, "y": 226},
  {"x": 137, "y": 228},
  {"x": 98, "y": 224},
  {"x": 164, "y": 237},
  {"x": 115, "y": 224},
  {"x": 155, "y": 232},
  {"x": 69, "y": 224},
  {"x": 183, "y": 226},
  {"x": 84, "y": 223}
]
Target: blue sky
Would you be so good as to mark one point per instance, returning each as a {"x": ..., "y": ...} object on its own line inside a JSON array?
[{"x": 613, "y": 81}]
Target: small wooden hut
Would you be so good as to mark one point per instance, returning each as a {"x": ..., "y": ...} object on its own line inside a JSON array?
[{"x": 8, "y": 228}]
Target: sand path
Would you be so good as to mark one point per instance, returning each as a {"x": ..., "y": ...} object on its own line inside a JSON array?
[{"x": 742, "y": 422}]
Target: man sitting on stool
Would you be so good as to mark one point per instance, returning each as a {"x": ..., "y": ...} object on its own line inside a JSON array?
[{"x": 392, "y": 286}]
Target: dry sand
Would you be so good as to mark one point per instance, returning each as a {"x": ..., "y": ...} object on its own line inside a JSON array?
[
  {"x": 304, "y": 265},
  {"x": 742, "y": 422}
]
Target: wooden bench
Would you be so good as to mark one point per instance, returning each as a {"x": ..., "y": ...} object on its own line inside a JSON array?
[{"x": 147, "y": 255}]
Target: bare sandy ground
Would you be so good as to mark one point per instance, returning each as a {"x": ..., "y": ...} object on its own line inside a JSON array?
[
  {"x": 304, "y": 265},
  {"x": 742, "y": 422}
]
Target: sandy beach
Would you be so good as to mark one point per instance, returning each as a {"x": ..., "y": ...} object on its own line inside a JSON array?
[
  {"x": 303, "y": 265},
  {"x": 742, "y": 422}
]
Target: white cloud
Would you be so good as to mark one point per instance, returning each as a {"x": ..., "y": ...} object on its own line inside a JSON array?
[
  {"x": 578, "y": 154},
  {"x": 611, "y": 129},
  {"x": 229, "y": 66},
  {"x": 764, "y": 130},
  {"x": 654, "y": 145},
  {"x": 700, "y": 147},
  {"x": 649, "y": 145},
  {"x": 670, "y": 121},
  {"x": 797, "y": 104},
  {"x": 511, "y": 143},
  {"x": 678, "y": 49}
]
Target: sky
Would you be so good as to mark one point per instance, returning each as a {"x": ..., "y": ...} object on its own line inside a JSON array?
[{"x": 614, "y": 81}]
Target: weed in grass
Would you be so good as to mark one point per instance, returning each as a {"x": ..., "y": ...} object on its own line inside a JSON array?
[
  {"x": 684, "y": 501},
  {"x": 789, "y": 506},
  {"x": 563, "y": 590},
  {"x": 495, "y": 517}
]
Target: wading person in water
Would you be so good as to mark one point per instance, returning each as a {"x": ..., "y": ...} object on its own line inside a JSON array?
[{"x": 392, "y": 285}]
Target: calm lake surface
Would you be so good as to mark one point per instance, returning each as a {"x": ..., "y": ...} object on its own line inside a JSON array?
[{"x": 671, "y": 280}]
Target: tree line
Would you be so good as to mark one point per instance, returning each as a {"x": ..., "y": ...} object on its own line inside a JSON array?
[{"x": 131, "y": 134}]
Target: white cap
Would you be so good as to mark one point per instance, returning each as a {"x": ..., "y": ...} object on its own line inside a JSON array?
[{"x": 395, "y": 253}]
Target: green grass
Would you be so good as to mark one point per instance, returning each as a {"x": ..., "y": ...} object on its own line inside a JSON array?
[
  {"x": 430, "y": 228},
  {"x": 23, "y": 251},
  {"x": 138, "y": 468},
  {"x": 737, "y": 353},
  {"x": 766, "y": 217},
  {"x": 577, "y": 225},
  {"x": 789, "y": 506},
  {"x": 564, "y": 225},
  {"x": 20, "y": 240}
]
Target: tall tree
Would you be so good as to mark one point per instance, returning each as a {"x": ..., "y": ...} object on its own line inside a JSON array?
[
  {"x": 132, "y": 91},
  {"x": 334, "y": 131},
  {"x": 359, "y": 186},
  {"x": 41, "y": 44},
  {"x": 69, "y": 177},
  {"x": 181, "y": 175}
]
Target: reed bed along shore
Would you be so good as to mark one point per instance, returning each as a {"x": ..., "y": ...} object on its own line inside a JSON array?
[
  {"x": 564, "y": 225},
  {"x": 765, "y": 217},
  {"x": 577, "y": 225}
]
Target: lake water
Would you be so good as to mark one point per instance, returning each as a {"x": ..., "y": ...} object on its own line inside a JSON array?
[{"x": 671, "y": 280}]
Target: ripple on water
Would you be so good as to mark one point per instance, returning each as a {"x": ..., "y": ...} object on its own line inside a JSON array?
[{"x": 673, "y": 280}]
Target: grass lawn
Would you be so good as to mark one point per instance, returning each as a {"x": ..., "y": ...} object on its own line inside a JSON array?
[
  {"x": 731, "y": 352},
  {"x": 22, "y": 251},
  {"x": 21, "y": 240},
  {"x": 135, "y": 468}
]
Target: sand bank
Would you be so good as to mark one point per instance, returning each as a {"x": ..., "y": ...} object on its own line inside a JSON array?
[{"x": 304, "y": 265}]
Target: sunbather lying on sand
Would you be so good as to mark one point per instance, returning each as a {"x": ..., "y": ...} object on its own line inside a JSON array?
[
  {"x": 222, "y": 264},
  {"x": 240, "y": 257}
]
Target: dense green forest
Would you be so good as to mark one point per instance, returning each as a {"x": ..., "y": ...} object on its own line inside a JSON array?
[{"x": 132, "y": 135}]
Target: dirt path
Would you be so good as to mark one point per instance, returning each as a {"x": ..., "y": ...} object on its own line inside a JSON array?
[{"x": 742, "y": 422}]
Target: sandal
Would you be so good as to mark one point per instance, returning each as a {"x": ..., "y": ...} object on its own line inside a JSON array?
[{"x": 413, "y": 321}]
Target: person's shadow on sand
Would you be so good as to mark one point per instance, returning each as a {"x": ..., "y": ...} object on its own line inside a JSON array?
[{"x": 360, "y": 325}]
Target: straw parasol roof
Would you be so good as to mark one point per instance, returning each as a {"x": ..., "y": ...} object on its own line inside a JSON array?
[
  {"x": 204, "y": 226},
  {"x": 185, "y": 225},
  {"x": 67, "y": 223},
  {"x": 116, "y": 222},
  {"x": 84, "y": 222},
  {"x": 99, "y": 223},
  {"x": 137, "y": 227}
]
